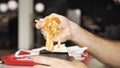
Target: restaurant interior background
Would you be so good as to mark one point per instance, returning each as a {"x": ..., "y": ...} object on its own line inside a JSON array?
[{"x": 100, "y": 17}]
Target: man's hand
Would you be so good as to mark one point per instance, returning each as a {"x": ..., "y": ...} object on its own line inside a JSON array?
[
  {"x": 65, "y": 27},
  {"x": 56, "y": 63}
]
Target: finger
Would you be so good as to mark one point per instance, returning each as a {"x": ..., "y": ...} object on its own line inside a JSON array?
[
  {"x": 39, "y": 23},
  {"x": 45, "y": 60},
  {"x": 41, "y": 19},
  {"x": 41, "y": 66},
  {"x": 57, "y": 15}
]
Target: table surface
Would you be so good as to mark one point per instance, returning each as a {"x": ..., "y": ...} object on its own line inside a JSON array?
[{"x": 92, "y": 64}]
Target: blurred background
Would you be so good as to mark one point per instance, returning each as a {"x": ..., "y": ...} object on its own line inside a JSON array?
[{"x": 17, "y": 26}]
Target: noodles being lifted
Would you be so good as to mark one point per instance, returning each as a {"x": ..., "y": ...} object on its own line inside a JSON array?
[{"x": 52, "y": 29}]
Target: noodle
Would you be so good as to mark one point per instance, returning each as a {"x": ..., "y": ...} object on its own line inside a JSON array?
[{"x": 52, "y": 29}]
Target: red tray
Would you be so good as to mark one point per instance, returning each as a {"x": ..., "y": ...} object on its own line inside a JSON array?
[{"x": 11, "y": 60}]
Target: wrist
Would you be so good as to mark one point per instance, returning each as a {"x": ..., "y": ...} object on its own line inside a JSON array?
[
  {"x": 75, "y": 30},
  {"x": 78, "y": 34}
]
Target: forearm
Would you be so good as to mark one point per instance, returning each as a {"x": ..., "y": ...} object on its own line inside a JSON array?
[{"x": 104, "y": 50}]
